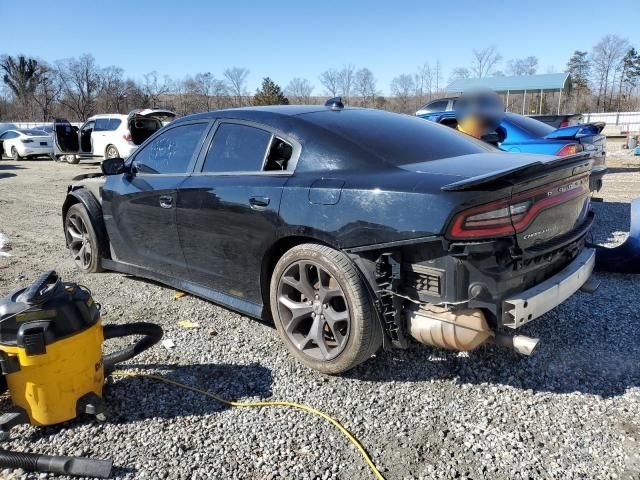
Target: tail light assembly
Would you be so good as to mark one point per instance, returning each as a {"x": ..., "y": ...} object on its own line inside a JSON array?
[
  {"x": 26, "y": 140},
  {"x": 127, "y": 136},
  {"x": 569, "y": 149},
  {"x": 510, "y": 216}
]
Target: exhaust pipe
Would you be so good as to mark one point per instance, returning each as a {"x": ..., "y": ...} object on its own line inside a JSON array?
[
  {"x": 519, "y": 343},
  {"x": 461, "y": 330}
]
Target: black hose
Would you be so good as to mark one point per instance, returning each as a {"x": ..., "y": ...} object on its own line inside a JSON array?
[
  {"x": 152, "y": 335},
  {"x": 76, "y": 466}
]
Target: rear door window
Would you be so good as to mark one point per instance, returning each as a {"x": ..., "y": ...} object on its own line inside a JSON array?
[
  {"x": 237, "y": 148},
  {"x": 114, "y": 123},
  {"x": 439, "y": 106},
  {"x": 102, "y": 124},
  {"x": 171, "y": 151}
]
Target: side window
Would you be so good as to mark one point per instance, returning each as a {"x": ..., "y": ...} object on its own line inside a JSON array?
[
  {"x": 102, "y": 124},
  {"x": 237, "y": 148},
  {"x": 9, "y": 135},
  {"x": 114, "y": 123},
  {"x": 171, "y": 151},
  {"x": 439, "y": 106}
]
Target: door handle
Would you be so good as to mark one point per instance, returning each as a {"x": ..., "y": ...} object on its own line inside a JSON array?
[
  {"x": 166, "y": 201},
  {"x": 259, "y": 202}
]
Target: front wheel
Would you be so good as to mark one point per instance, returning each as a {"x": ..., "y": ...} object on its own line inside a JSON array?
[
  {"x": 15, "y": 155},
  {"x": 82, "y": 240},
  {"x": 321, "y": 309},
  {"x": 73, "y": 159}
]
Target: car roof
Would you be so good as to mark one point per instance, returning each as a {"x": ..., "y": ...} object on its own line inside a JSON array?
[{"x": 107, "y": 115}]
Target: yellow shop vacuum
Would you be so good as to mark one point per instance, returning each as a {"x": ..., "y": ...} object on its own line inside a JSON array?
[{"x": 51, "y": 357}]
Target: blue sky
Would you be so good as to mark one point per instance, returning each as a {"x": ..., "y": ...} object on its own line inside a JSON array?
[{"x": 284, "y": 39}]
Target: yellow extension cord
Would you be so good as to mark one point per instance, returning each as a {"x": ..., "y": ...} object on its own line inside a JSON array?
[{"x": 276, "y": 403}]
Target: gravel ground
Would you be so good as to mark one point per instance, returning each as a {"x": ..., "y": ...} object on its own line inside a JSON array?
[{"x": 570, "y": 411}]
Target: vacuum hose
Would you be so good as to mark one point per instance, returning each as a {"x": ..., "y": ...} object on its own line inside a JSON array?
[
  {"x": 151, "y": 332},
  {"x": 35, "y": 462}
]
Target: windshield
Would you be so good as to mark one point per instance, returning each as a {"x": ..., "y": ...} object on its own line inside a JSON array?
[
  {"x": 398, "y": 139},
  {"x": 530, "y": 125}
]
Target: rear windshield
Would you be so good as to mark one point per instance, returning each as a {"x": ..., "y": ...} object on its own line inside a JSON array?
[
  {"x": 398, "y": 139},
  {"x": 531, "y": 125},
  {"x": 32, "y": 133}
]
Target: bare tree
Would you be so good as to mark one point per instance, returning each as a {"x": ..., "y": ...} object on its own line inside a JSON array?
[
  {"x": 437, "y": 75},
  {"x": 346, "y": 78},
  {"x": 403, "y": 88},
  {"x": 47, "y": 91},
  {"x": 154, "y": 87},
  {"x": 207, "y": 87},
  {"x": 81, "y": 81},
  {"x": 330, "y": 80},
  {"x": 365, "y": 86},
  {"x": 606, "y": 57},
  {"x": 21, "y": 75},
  {"x": 522, "y": 66},
  {"x": 423, "y": 80},
  {"x": 237, "y": 83},
  {"x": 299, "y": 90},
  {"x": 484, "y": 61},
  {"x": 460, "y": 73}
]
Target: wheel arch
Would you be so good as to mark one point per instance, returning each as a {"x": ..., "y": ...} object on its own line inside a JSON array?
[{"x": 85, "y": 197}]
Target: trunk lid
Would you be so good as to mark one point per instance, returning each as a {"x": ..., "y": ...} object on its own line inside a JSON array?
[{"x": 548, "y": 198}]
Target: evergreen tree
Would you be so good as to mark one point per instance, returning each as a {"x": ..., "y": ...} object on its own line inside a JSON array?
[
  {"x": 269, "y": 94},
  {"x": 579, "y": 68}
]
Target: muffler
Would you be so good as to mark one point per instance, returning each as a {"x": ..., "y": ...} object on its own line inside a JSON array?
[
  {"x": 462, "y": 330},
  {"x": 624, "y": 258}
]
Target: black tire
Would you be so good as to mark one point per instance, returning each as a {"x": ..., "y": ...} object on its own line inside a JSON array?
[
  {"x": 362, "y": 335},
  {"x": 72, "y": 159},
  {"x": 79, "y": 234},
  {"x": 15, "y": 155},
  {"x": 111, "y": 152}
]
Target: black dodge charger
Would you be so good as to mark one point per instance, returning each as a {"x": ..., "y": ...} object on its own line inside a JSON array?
[{"x": 353, "y": 228}]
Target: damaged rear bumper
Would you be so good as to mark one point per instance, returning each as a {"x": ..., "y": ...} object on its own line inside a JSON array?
[{"x": 538, "y": 300}]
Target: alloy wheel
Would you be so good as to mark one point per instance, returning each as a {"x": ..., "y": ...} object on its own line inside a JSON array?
[
  {"x": 313, "y": 310},
  {"x": 79, "y": 241},
  {"x": 112, "y": 152},
  {"x": 14, "y": 154}
]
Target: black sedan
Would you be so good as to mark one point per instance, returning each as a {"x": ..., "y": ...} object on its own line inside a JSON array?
[{"x": 353, "y": 228}]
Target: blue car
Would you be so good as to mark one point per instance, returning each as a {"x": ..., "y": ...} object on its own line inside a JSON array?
[{"x": 518, "y": 133}]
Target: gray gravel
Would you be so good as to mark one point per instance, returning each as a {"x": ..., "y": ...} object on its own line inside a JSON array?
[{"x": 570, "y": 411}]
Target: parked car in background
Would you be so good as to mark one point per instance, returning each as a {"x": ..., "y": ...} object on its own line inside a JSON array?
[
  {"x": 107, "y": 136},
  {"x": 7, "y": 126},
  {"x": 348, "y": 225},
  {"x": 559, "y": 121},
  {"x": 438, "y": 105},
  {"x": 25, "y": 143},
  {"x": 521, "y": 134}
]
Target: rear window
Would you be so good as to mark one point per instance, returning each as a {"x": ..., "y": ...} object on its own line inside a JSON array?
[
  {"x": 530, "y": 125},
  {"x": 32, "y": 133},
  {"x": 398, "y": 139},
  {"x": 114, "y": 123}
]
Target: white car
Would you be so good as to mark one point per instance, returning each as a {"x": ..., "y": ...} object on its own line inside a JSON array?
[
  {"x": 107, "y": 136},
  {"x": 25, "y": 143}
]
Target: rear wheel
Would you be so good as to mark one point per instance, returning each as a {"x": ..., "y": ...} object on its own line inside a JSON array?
[
  {"x": 73, "y": 159},
  {"x": 15, "y": 155},
  {"x": 82, "y": 240},
  {"x": 111, "y": 152},
  {"x": 321, "y": 309}
]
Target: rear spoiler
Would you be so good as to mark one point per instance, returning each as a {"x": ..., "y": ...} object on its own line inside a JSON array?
[
  {"x": 576, "y": 131},
  {"x": 512, "y": 173}
]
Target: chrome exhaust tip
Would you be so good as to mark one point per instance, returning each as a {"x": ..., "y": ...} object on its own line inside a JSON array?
[{"x": 520, "y": 343}]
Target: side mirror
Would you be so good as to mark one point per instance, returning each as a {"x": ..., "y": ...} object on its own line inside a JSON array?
[{"x": 113, "y": 166}]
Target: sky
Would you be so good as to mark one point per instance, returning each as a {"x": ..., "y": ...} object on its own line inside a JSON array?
[{"x": 286, "y": 39}]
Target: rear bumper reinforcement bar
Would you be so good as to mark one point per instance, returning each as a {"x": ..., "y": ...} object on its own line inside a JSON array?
[{"x": 538, "y": 300}]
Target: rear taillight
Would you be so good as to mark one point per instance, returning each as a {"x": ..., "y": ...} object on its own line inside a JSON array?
[
  {"x": 127, "y": 136},
  {"x": 564, "y": 124},
  {"x": 569, "y": 149},
  {"x": 507, "y": 217},
  {"x": 27, "y": 140}
]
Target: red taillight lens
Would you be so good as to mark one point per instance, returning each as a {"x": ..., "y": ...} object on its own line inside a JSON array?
[
  {"x": 569, "y": 149},
  {"x": 564, "y": 124},
  {"x": 127, "y": 136},
  {"x": 27, "y": 140},
  {"x": 507, "y": 217}
]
